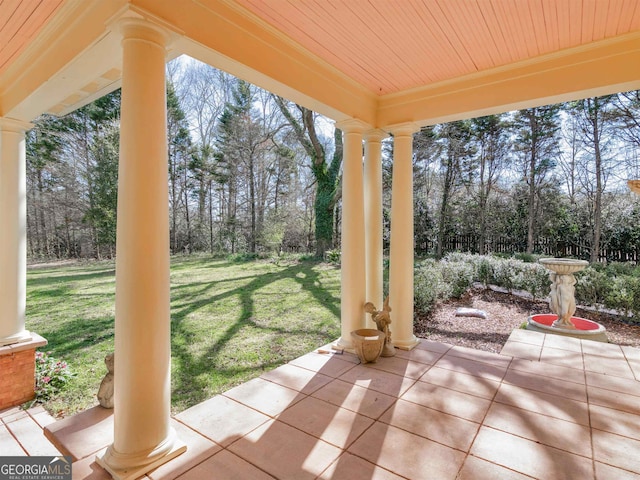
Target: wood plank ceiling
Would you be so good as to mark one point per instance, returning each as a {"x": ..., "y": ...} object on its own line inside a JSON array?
[
  {"x": 394, "y": 45},
  {"x": 20, "y": 22}
]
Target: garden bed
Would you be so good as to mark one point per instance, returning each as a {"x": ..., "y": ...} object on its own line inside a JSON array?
[{"x": 505, "y": 312}]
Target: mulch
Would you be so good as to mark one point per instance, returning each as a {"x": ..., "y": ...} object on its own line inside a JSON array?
[{"x": 505, "y": 312}]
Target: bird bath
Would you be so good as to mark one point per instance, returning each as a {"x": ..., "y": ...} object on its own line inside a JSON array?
[{"x": 563, "y": 304}]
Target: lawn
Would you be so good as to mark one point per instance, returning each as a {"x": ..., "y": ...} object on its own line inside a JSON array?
[{"x": 230, "y": 321}]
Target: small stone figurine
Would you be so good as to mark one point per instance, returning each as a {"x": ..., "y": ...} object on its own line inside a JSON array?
[
  {"x": 105, "y": 392},
  {"x": 382, "y": 319}
]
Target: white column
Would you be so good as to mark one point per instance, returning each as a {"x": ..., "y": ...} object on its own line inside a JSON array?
[
  {"x": 143, "y": 438},
  {"x": 352, "y": 296},
  {"x": 13, "y": 232},
  {"x": 373, "y": 218},
  {"x": 402, "y": 243}
]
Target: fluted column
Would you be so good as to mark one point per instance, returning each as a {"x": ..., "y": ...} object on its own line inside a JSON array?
[
  {"x": 143, "y": 438},
  {"x": 402, "y": 242},
  {"x": 373, "y": 218},
  {"x": 13, "y": 232},
  {"x": 352, "y": 296}
]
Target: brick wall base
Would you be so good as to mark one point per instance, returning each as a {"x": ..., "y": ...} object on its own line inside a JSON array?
[{"x": 17, "y": 371}]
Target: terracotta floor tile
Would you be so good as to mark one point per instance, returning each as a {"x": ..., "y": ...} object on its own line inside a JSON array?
[
  {"x": 224, "y": 465},
  {"x": 633, "y": 358},
  {"x": 479, "y": 356},
  {"x": 296, "y": 378},
  {"x": 222, "y": 419},
  {"x": 448, "y": 401},
  {"x": 199, "y": 449},
  {"x": 615, "y": 421},
  {"x": 548, "y": 370},
  {"x": 615, "y": 450},
  {"x": 530, "y": 458},
  {"x": 8, "y": 444},
  {"x": 437, "y": 347},
  {"x": 419, "y": 355},
  {"x": 326, "y": 364},
  {"x": 31, "y": 437},
  {"x": 42, "y": 418},
  {"x": 565, "y": 358},
  {"x": 475, "y": 468},
  {"x": 400, "y": 366},
  {"x": 617, "y": 400},
  {"x": 461, "y": 382},
  {"x": 440, "y": 427},
  {"x": 88, "y": 469},
  {"x": 616, "y": 384},
  {"x": 472, "y": 367},
  {"x": 12, "y": 414},
  {"x": 355, "y": 468},
  {"x": 540, "y": 428},
  {"x": 605, "y": 350},
  {"x": 83, "y": 434},
  {"x": 631, "y": 353},
  {"x": 384, "y": 382},
  {"x": 527, "y": 336},
  {"x": 382, "y": 443},
  {"x": 563, "y": 343},
  {"x": 334, "y": 425},
  {"x": 539, "y": 402},
  {"x": 521, "y": 350},
  {"x": 285, "y": 452},
  {"x": 607, "y": 472},
  {"x": 574, "y": 391},
  {"x": 264, "y": 396},
  {"x": 355, "y": 398},
  {"x": 618, "y": 367}
]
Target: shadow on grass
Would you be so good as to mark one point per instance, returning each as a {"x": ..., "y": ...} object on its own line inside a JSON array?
[
  {"x": 43, "y": 278},
  {"x": 187, "y": 380},
  {"x": 69, "y": 337}
]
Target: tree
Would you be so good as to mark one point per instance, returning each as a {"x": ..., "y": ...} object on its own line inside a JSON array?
[
  {"x": 454, "y": 138},
  {"x": 326, "y": 170},
  {"x": 537, "y": 140},
  {"x": 179, "y": 151},
  {"x": 491, "y": 134},
  {"x": 595, "y": 119}
]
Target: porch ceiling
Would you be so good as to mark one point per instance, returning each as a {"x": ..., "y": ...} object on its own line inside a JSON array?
[{"x": 383, "y": 62}]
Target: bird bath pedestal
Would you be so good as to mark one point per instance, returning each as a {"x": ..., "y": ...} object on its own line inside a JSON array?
[{"x": 563, "y": 304}]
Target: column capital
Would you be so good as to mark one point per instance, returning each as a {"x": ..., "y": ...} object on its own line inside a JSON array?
[
  {"x": 136, "y": 23},
  {"x": 402, "y": 129},
  {"x": 13, "y": 125},
  {"x": 375, "y": 135},
  {"x": 352, "y": 125}
]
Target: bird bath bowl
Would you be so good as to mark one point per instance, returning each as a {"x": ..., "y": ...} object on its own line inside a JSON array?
[
  {"x": 584, "y": 329},
  {"x": 564, "y": 266}
]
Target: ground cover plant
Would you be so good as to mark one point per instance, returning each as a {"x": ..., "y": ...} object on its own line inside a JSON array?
[{"x": 231, "y": 319}]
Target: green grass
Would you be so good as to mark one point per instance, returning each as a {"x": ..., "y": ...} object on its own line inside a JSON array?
[{"x": 230, "y": 321}]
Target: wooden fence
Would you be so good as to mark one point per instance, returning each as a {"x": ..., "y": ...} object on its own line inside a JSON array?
[{"x": 543, "y": 246}]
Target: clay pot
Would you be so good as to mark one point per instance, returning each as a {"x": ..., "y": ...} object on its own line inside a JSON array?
[{"x": 368, "y": 344}]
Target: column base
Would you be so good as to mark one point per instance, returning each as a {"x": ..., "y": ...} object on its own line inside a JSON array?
[
  {"x": 131, "y": 466},
  {"x": 343, "y": 345},
  {"x": 23, "y": 336},
  {"x": 406, "y": 345}
]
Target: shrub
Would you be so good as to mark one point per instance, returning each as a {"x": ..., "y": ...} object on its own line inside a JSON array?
[
  {"x": 332, "y": 256},
  {"x": 592, "y": 287},
  {"x": 428, "y": 285},
  {"x": 51, "y": 376},
  {"x": 458, "y": 275}
]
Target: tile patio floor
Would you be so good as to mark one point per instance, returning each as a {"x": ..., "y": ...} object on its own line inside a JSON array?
[{"x": 547, "y": 407}]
